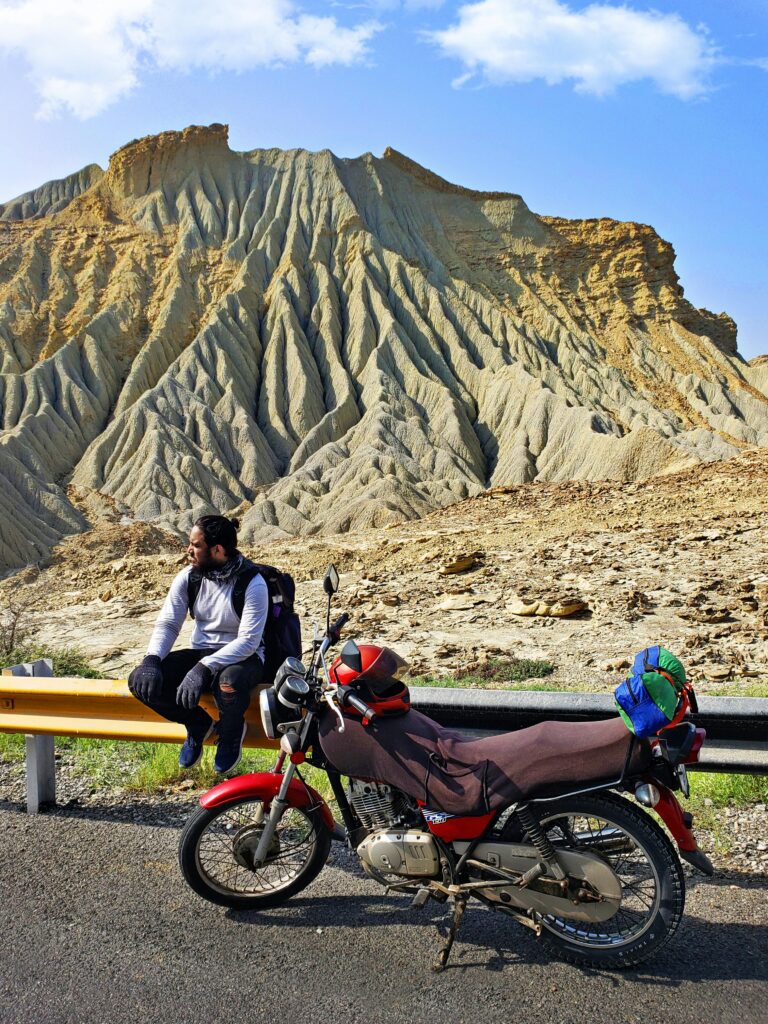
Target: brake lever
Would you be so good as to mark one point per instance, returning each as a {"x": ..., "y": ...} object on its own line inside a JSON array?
[{"x": 328, "y": 698}]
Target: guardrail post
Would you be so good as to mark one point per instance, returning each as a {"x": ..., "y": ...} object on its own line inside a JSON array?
[
  {"x": 41, "y": 773},
  {"x": 41, "y": 764}
]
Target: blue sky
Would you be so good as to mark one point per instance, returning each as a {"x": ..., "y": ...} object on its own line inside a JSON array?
[{"x": 650, "y": 113}]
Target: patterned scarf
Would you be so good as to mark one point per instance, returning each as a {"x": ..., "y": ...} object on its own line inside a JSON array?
[{"x": 225, "y": 573}]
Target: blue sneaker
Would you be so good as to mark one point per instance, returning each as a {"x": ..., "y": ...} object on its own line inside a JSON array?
[
  {"x": 229, "y": 752},
  {"x": 192, "y": 751}
]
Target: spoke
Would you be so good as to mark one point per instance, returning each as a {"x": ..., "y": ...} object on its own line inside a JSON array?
[
  {"x": 631, "y": 866},
  {"x": 294, "y": 844}
]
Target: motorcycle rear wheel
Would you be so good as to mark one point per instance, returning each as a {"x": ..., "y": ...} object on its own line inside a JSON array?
[
  {"x": 647, "y": 866},
  {"x": 216, "y": 851}
]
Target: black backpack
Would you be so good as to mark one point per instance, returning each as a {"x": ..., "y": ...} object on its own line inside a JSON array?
[{"x": 282, "y": 630}]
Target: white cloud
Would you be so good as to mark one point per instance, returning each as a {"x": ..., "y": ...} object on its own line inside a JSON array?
[
  {"x": 598, "y": 47},
  {"x": 84, "y": 55}
]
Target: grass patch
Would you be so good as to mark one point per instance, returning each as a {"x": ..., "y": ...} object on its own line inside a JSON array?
[
  {"x": 728, "y": 790},
  {"x": 737, "y": 689},
  {"x": 497, "y": 674},
  {"x": 11, "y": 746},
  {"x": 157, "y": 767},
  {"x": 67, "y": 661},
  {"x": 146, "y": 768},
  {"x": 712, "y": 793}
]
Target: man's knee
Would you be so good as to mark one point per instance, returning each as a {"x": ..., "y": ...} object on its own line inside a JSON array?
[
  {"x": 227, "y": 693},
  {"x": 231, "y": 681}
]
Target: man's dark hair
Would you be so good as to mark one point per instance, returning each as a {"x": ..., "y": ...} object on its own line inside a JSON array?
[{"x": 219, "y": 530}]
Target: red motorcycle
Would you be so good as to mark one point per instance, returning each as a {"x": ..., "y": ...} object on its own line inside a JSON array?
[{"x": 534, "y": 823}]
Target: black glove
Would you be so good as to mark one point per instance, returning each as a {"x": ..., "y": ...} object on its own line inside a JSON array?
[
  {"x": 192, "y": 685},
  {"x": 146, "y": 679}
]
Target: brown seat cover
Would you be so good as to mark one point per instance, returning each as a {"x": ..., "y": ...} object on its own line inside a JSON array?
[{"x": 461, "y": 775}]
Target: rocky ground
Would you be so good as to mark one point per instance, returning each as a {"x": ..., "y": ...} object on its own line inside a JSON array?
[{"x": 579, "y": 574}]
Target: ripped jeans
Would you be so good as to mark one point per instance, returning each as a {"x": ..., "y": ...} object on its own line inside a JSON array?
[{"x": 231, "y": 687}]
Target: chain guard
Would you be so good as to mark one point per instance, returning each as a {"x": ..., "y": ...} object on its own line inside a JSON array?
[{"x": 594, "y": 891}]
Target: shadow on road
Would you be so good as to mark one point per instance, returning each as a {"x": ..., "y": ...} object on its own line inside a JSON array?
[
  {"x": 168, "y": 813},
  {"x": 488, "y": 941}
]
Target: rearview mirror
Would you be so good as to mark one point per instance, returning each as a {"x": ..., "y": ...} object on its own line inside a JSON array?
[{"x": 331, "y": 580}]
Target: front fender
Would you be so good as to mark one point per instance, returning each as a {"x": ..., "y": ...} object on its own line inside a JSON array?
[{"x": 265, "y": 786}]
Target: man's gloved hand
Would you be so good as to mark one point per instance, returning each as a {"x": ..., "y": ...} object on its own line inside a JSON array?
[
  {"x": 146, "y": 679},
  {"x": 192, "y": 686}
]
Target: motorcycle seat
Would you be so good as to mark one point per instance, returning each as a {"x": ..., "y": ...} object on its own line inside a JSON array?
[{"x": 467, "y": 775}]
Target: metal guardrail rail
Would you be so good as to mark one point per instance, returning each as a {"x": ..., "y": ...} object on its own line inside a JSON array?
[
  {"x": 40, "y": 706},
  {"x": 34, "y": 702},
  {"x": 98, "y": 708},
  {"x": 737, "y": 727}
]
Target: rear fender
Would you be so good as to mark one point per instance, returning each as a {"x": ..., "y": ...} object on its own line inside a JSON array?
[
  {"x": 265, "y": 786},
  {"x": 675, "y": 818},
  {"x": 679, "y": 824}
]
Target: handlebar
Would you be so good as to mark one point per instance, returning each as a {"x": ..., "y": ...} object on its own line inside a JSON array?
[
  {"x": 336, "y": 628},
  {"x": 331, "y": 637},
  {"x": 349, "y": 698}
]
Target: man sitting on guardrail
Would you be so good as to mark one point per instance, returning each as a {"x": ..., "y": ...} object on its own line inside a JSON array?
[{"x": 227, "y": 653}]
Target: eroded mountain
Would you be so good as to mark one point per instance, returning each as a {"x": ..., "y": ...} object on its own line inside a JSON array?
[{"x": 331, "y": 344}]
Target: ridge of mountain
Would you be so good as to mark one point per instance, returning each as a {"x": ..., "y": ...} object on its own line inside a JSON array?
[
  {"x": 52, "y": 197},
  {"x": 330, "y": 344}
]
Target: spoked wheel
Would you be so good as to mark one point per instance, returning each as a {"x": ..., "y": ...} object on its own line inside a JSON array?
[
  {"x": 218, "y": 844},
  {"x": 648, "y": 870}
]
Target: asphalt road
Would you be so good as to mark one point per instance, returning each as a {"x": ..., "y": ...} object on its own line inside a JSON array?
[{"x": 98, "y": 926}]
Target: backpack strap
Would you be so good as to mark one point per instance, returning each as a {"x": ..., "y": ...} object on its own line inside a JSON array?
[
  {"x": 686, "y": 701},
  {"x": 247, "y": 572},
  {"x": 194, "y": 582},
  {"x": 242, "y": 580}
]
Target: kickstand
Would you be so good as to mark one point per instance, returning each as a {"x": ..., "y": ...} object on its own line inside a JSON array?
[{"x": 459, "y": 906}]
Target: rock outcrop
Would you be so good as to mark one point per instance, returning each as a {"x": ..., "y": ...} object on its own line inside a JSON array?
[{"x": 330, "y": 344}]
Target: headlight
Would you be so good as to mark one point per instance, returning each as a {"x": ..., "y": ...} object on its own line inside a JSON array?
[
  {"x": 278, "y": 709},
  {"x": 267, "y": 701}
]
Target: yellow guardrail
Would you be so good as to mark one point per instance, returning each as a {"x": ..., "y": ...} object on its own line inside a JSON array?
[{"x": 99, "y": 708}]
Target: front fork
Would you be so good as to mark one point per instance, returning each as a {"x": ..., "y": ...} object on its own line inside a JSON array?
[
  {"x": 276, "y": 810},
  {"x": 280, "y": 802}
]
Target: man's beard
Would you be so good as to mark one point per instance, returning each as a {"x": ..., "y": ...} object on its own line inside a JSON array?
[{"x": 205, "y": 564}]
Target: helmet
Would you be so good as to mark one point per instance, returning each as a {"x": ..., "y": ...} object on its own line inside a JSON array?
[{"x": 378, "y": 682}]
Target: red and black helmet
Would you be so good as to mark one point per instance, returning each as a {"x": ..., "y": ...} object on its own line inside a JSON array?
[{"x": 376, "y": 676}]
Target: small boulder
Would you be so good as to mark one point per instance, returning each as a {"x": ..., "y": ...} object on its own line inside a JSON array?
[
  {"x": 461, "y": 564},
  {"x": 717, "y": 672},
  {"x": 617, "y": 665}
]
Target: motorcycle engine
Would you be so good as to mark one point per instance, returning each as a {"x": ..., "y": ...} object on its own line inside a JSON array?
[
  {"x": 390, "y": 848},
  {"x": 378, "y": 805}
]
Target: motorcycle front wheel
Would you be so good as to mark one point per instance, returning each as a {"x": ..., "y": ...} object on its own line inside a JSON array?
[
  {"x": 218, "y": 844},
  {"x": 647, "y": 867}
]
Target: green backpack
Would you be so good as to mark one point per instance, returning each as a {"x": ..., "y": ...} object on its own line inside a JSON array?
[{"x": 656, "y": 695}]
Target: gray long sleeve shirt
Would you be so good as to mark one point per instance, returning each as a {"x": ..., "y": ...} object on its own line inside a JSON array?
[{"x": 216, "y": 624}]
